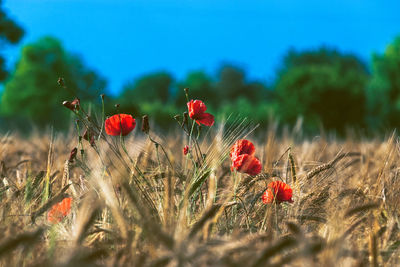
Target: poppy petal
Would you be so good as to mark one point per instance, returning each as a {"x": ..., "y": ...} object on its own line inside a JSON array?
[
  {"x": 242, "y": 146},
  {"x": 196, "y": 109},
  {"x": 277, "y": 191},
  {"x": 206, "y": 118},
  {"x": 247, "y": 164},
  {"x": 59, "y": 210},
  {"x": 185, "y": 150},
  {"x": 199, "y": 106},
  {"x": 119, "y": 124},
  {"x": 268, "y": 196}
]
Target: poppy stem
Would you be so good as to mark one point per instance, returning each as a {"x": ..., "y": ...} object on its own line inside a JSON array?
[
  {"x": 163, "y": 149},
  {"x": 80, "y": 144},
  {"x": 276, "y": 216},
  {"x": 196, "y": 145},
  {"x": 102, "y": 117},
  {"x": 158, "y": 155},
  {"x": 122, "y": 141}
]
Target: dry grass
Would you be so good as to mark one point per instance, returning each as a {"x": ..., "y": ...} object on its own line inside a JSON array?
[{"x": 149, "y": 210}]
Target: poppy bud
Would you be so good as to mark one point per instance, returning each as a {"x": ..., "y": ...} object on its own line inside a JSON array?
[
  {"x": 86, "y": 135},
  {"x": 186, "y": 90},
  {"x": 61, "y": 82},
  {"x": 68, "y": 105},
  {"x": 102, "y": 96},
  {"x": 74, "y": 105},
  {"x": 185, "y": 118},
  {"x": 91, "y": 142},
  {"x": 72, "y": 155},
  {"x": 185, "y": 150},
  {"x": 117, "y": 105},
  {"x": 145, "y": 124},
  {"x": 89, "y": 136}
]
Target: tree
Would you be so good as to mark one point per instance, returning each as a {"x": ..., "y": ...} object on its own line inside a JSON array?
[
  {"x": 150, "y": 94},
  {"x": 201, "y": 87},
  {"x": 10, "y": 33},
  {"x": 232, "y": 85},
  {"x": 384, "y": 88},
  {"x": 32, "y": 91},
  {"x": 148, "y": 88},
  {"x": 324, "y": 86}
]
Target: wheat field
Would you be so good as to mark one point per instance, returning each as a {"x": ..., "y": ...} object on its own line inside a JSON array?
[{"x": 141, "y": 202}]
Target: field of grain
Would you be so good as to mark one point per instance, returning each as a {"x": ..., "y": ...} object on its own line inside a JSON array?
[{"x": 141, "y": 202}]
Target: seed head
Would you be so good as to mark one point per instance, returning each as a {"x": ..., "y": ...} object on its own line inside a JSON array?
[
  {"x": 72, "y": 155},
  {"x": 145, "y": 124},
  {"x": 61, "y": 82},
  {"x": 185, "y": 118}
]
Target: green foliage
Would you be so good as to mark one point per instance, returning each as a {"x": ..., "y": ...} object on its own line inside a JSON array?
[
  {"x": 232, "y": 85},
  {"x": 32, "y": 92},
  {"x": 151, "y": 95},
  {"x": 323, "y": 86},
  {"x": 201, "y": 87},
  {"x": 10, "y": 33},
  {"x": 161, "y": 114},
  {"x": 244, "y": 108},
  {"x": 153, "y": 88},
  {"x": 384, "y": 88},
  {"x": 150, "y": 87}
]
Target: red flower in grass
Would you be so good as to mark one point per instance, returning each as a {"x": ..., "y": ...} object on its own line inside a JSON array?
[
  {"x": 247, "y": 164},
  {"x": 243, "y": 159},
  {"x": 277, "y": 191},
  {"x": 185, "y": 150},
  {"x": 241, "y": 147},
  {"x": 120, "y": 124},
  {"x": 197, "y": 111},
  {"x": 59, "y": 210}
]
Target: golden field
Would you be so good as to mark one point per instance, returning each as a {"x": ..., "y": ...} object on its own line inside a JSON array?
[{"x": 141, "y": 202}]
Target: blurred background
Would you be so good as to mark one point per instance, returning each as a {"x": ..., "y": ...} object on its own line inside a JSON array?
[{"x": 331, "y": 65}]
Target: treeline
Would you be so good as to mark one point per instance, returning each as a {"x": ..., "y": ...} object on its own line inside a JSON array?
[{"x": 324, "y": 87}]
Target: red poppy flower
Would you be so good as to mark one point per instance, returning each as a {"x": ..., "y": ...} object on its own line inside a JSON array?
[
  {"x": 185, "y": 150},
  {"x": 197, "y": 111},
  {"x": 59, "y": 210},
  {"x": 277, "y": 191},
  {"x": 241, "y": 147},
  {"x": 120, "y": 124},
  {"x": 247, "y": 164}
]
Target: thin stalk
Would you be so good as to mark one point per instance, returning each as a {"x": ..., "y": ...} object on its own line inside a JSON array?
[{"x": 102, "y": 118}]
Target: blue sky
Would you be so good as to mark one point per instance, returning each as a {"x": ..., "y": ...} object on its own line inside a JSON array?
[{"x": 124, "y": 39}]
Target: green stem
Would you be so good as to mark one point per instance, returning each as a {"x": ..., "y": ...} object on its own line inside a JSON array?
[
  {"x": 80, "y": 144},
  {"x": 102, "y": 118}
]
